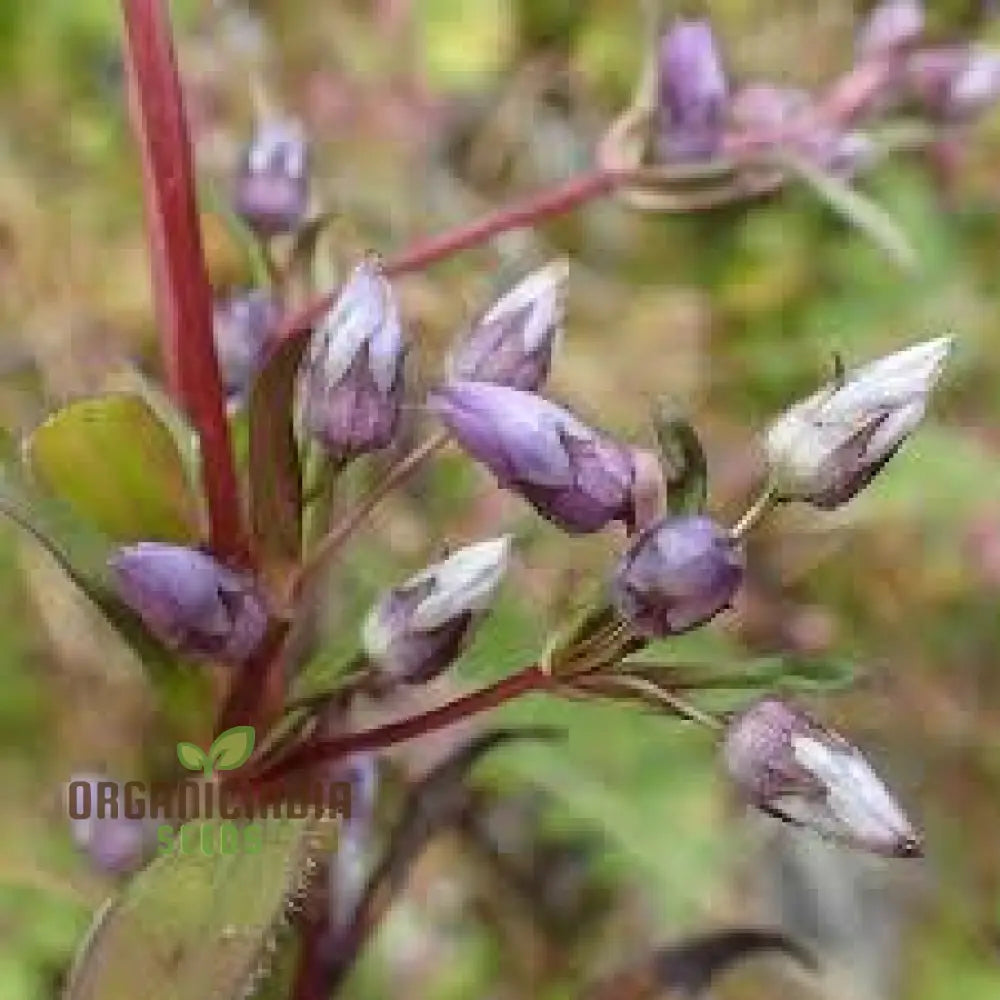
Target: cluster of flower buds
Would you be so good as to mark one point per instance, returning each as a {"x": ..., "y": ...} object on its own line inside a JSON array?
[
  {"x": 242, "y": 326},
  {"x": 272, "y": 189},
  {"x": 351, "y": 383},
  {"x": 827, "y": 448},
  {"x": 191, "y": 602},
  {"x": 419, "y": 628},
  {"x": 115, "y": 844},
  {"x": 782, "y": 761}
]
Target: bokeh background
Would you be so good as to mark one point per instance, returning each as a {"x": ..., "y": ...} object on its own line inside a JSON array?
[{"x": 424, "y": 113}]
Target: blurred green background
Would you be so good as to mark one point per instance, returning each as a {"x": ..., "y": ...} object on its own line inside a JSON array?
[{"x": 424, "y": 113}]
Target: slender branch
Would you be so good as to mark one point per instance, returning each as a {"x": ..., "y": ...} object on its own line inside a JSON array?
[
  {"x": 180, "y": 281},
  {"x": 525, "y": 681},
  {"x": 338, "y": 535},
  {"x": 524, "y": 214}
]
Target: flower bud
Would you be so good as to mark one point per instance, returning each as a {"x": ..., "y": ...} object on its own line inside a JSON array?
[
  {"x": 892, "y": 26},
  {"x": 242, "y": 325},
  {"x": 955, "y": 83},
  {"x": 571, "y": 474},
  {"x": 419, "y": 628},
  {"x": 826, "y": 449},
  {"x": 114, "y": 844},
  {"x": 513, "y": 342},
  {"x": 693, "y": 93},
  {"x": 784, "y": 762},
  {"x": 190, "y": 602},
  {"x": 272, "y": 189},
  {"x": 352, "y": 380},
  {"x": 678, "y": 574}
]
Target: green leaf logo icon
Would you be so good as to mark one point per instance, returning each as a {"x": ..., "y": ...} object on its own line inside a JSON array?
[
  {"x": 192, "y": 757},
  {"x": 232, "y": 748}
]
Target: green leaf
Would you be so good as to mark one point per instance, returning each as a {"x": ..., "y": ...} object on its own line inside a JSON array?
[
  {"x": 684, "y": 464},
  {"x": 192, "y": 757},
  {"x": 232, "y": 748},
  {"x": 275, "y": 473},
  {"x": 115, "y": 462},
  {"x": 196, "y": 926},
  {"x": 859, "y": 210}
]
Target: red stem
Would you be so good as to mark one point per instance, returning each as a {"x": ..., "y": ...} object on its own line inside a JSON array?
[
  {"x": 513, "y": 686},
  {"x": 522, "y": 215},
  {"x": 180, "y": 281}
]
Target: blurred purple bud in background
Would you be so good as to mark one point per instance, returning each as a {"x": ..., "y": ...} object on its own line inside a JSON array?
[
  {"x": 677, "y": 574},
  {"x": 513, "y": 342},
  {"x": 956, "y": 83},
  {"x": 351, "y": 382},
  {"x": 572, "y": 475},
  {"x": 348, "y": 868},
  {"x": 784, "y": 762},
  {"x": 892, "y": 26},
  {"x": 418, "y": 629},
  {"x": 693, "y": 93},
  {"x": 242, "y": 325},
  {"x": 114, "y": 845},
  {"x": 190, "y": 602},
  {"x": 272, "y": 189},
  {"x": 827, "y": 448}
]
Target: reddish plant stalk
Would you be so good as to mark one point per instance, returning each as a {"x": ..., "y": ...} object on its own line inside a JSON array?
[
  {"x": 506, "y": 689},
  {"x": 180, "y": 281}
]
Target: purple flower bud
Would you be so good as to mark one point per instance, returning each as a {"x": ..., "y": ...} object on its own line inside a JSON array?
[
  {"x": 827, "y": 448},
  {"x": 572, "y": 475},
  {"x": 676, "y": 575},
  {"x": 955, "y": 83},
  {"x": 786, "y": 763},
  {"x": 190, "y": 602},
  {"x": 419, "y": 628},
  {"x": 114, "y": 844},
  {"x": 892, "y": 26},
  {"x": 513, "y": 342},
  {"x": 352, "y": 379},
  {"x": 242, "y": 327},
  {"x": 693, "y": 93},
  {"x": 272, "y": 189}
]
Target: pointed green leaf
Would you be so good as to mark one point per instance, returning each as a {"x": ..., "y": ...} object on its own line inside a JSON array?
[
  {"x": 192, "y": 757},
  {"x": 115, "y": 462},
  {"x": 232, "y": 748},
  {"x": 685, "y": 467},
  {"x": 275, "y": 473}
]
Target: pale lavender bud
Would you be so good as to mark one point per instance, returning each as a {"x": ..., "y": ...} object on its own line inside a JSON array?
[
  {"x": 115, "y": 844},
  {"x": 351, "y": 382},
  {"x": 693, "y": 93},
  {"x": 190, "y": 602},
  {"x": 676, "y": 575},
  {"x": 894, "y": 25},
  {"x": 348, "y": 869},
  {"x": 242, "y": 325},
  {"x": 827, "y": 448},
  {"x": 572, "y": 475},
  {"x": 835, "y": 151},
  {"x": 786, "y": 763},
  {"x": 955, "y": 83},
  {"x": 419, "y": 629},
  {"x": 513, "y": 342},
  {"x": 272, "y": 189},
  {"x": 977, "y": 87}
]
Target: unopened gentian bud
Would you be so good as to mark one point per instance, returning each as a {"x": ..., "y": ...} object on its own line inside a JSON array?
[
  {"x": 693, "y": 93},
  {"x": 827, "y": 448},
  {"x": 891, "y": 27},
  {"x": 191, "y": 602},
  {"x": 419, "y": 629},
  {"x": 114, "y": 844},
  {"x": 242, "y": 324},
  {"x": 573, "y": 475},
  {"x": 272, "y": 189},
  {"x": 352, "y": 379},
  {"x": 676, "y": 575},
  {"x": 783, "y": 761},
  {"x": 513, "y": 342},
  {"x": 955, "y": 83},
  {"x": 977, "y": 87}
]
